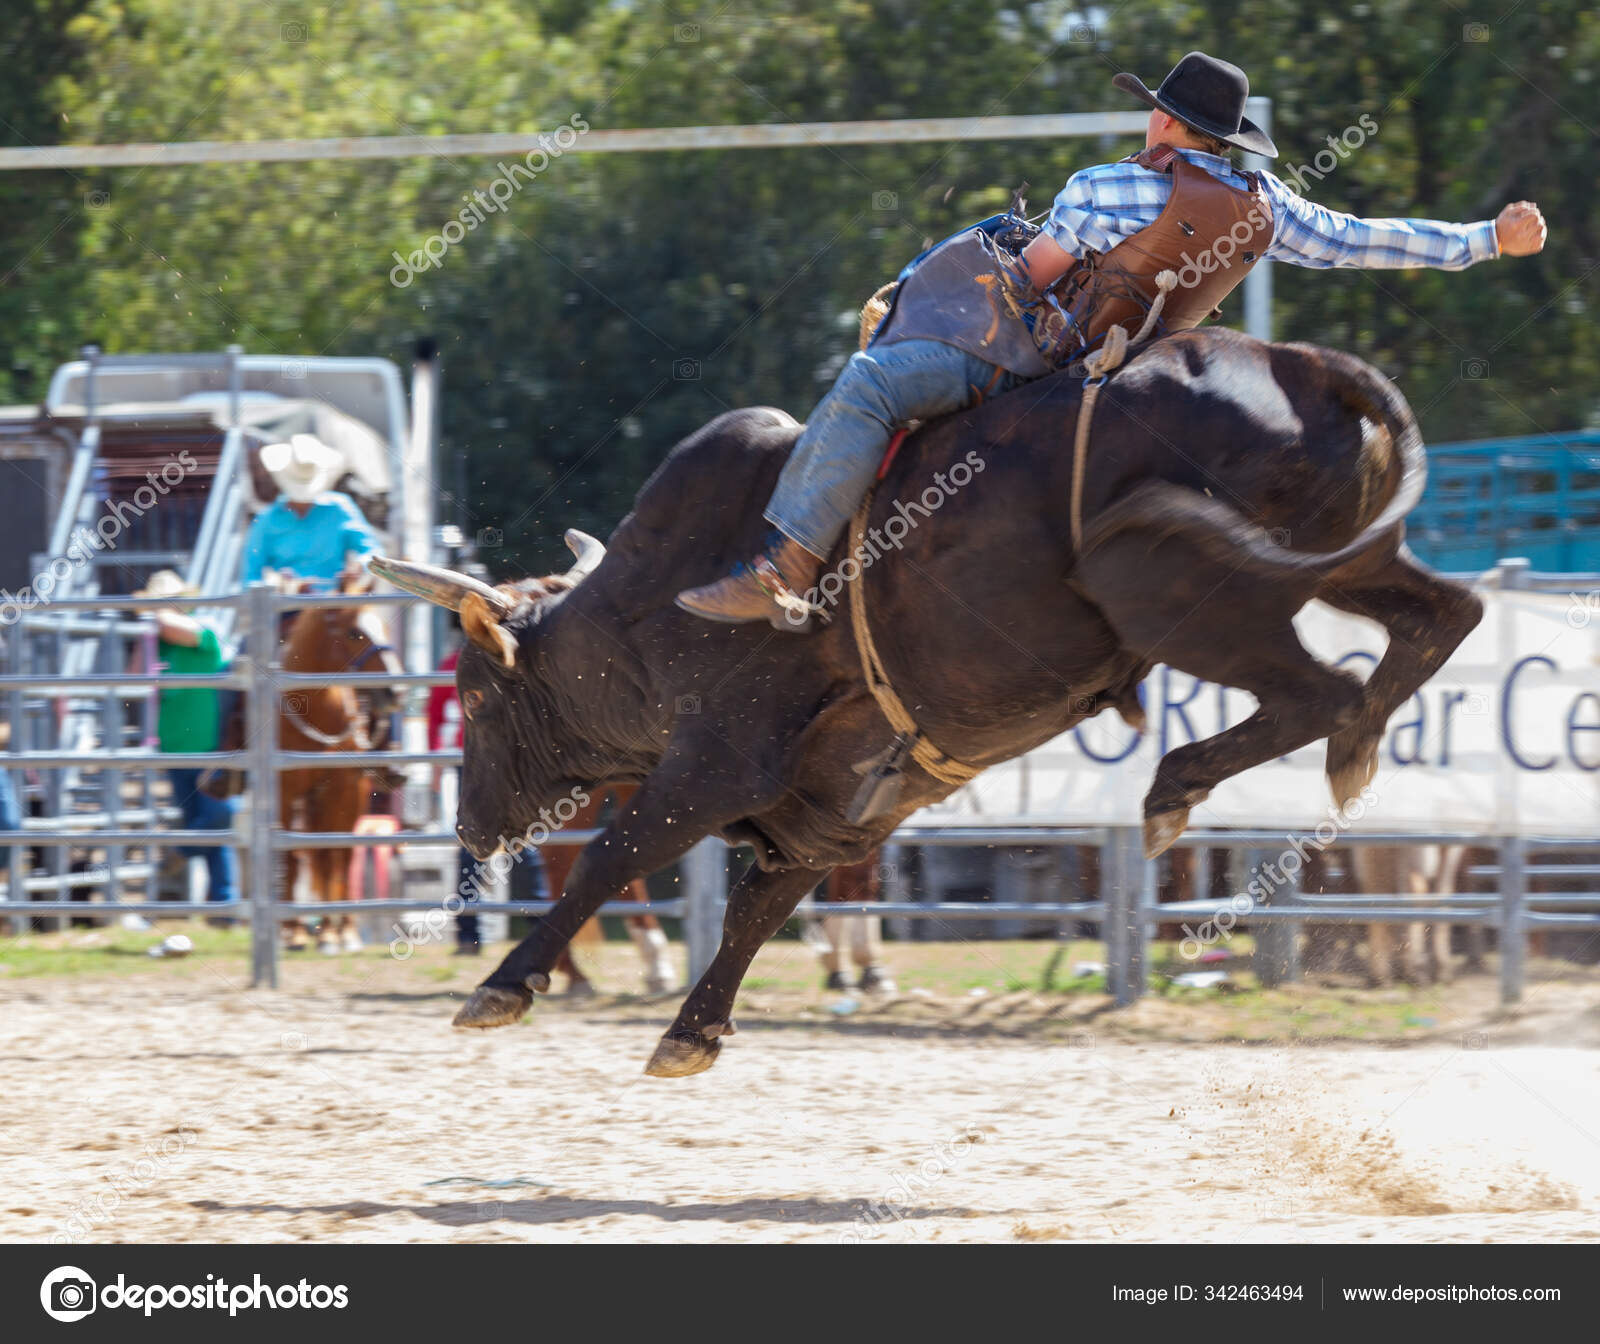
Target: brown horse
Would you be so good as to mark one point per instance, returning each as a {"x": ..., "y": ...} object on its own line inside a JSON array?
[
  {"x": 645, "y": 930},
  {"x": 328, "y": 640}
]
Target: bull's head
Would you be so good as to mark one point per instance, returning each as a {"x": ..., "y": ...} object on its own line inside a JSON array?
[{"x": 514, "y": 770}]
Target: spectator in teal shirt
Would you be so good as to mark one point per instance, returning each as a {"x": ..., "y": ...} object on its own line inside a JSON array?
[{"x": 311, "y": 532}]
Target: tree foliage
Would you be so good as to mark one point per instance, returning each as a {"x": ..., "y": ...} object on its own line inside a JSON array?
[{"x": 619, "y": 301}]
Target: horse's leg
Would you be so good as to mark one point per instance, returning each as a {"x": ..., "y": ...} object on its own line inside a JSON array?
[
  {"x": 651, "y": 942},
  {"x": 758, "y": 907},
  {"x": 644, "y": 931},
  {"x": 577, "y": 982},
  {"x": 1172, "y": 601},
  {"x": 1377, "y": 870},
  {"x": 295, "y": 935},
  {"x": 835, "y": 928},
  {"x": 833, "y": 949},
  {"x": 1380, "y": 955},
  {"x": 1405, "y": 873},
  {"x": 857, "y": 884},
  {"x": 349, "y": 800},
  {"x": 1426, "y": 618},
  {"x": 558, "y": 864},
  {"x": 558, "y": 861},
  {"x": 1413, "y": 945},
  {"x": 346, "y": 929},
  {"x": 324, "y": 862},
  {"x": 1445, "y": 884}
]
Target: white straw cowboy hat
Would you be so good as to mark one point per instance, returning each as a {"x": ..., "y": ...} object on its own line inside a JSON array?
[
  {"x": 165, "y": 583},
  {"x": 303, "y": 467}
]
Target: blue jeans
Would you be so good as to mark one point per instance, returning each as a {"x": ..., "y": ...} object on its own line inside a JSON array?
[
  {"x": 10, "y": 820},
  {"x": 202, "y": 812},
  {"x": 835, "y": 460},
  {"x": 527, "y": 882}
]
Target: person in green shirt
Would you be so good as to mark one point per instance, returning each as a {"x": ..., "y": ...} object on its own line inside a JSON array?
[{"x": 190, "y": 720}]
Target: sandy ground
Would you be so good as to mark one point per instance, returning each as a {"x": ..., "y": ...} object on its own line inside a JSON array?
[{"x": 344, "y": 1108}]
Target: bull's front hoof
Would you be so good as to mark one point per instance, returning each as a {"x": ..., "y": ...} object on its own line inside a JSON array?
[
  {"x": 492, "y": 1007},
  {"x": 680, "y": 1055},
  {"x": 1162, "y": 829}
]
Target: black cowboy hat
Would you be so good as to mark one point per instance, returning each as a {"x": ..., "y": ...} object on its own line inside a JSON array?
[{"x": 1208, "y": 95}]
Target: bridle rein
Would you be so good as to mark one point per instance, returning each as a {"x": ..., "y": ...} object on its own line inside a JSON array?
[{"x": 359, "y": 741}]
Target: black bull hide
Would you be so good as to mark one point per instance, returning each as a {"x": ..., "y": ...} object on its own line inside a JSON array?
[{"x": 1228, "y": 483}]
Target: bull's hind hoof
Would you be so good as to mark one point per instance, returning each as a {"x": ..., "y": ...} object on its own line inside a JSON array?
[
  {"x": 1162, "y": 829},
  {"x": 683, "y": 1054},
  {"x": 1349, "y": 773},
  {"x": 491, "y": 1007}
]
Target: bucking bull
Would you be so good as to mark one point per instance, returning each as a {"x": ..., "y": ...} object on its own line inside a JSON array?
[{"x": 1229, "y": 483}]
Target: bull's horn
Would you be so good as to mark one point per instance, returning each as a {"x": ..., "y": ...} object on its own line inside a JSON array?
[
  {"x": 589, "y": 552},
  {"x": 442, "y": 586}
]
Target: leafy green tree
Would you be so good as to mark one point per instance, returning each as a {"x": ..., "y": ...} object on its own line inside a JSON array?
[
  {"x": 41, "y": 213},
  {"x": 619, "y": 301}
]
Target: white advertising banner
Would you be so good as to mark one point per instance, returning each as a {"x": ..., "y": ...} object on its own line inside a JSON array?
[{"x": 1504, "y": 740}]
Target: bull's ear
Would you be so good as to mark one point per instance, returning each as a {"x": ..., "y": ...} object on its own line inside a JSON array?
[{"x": 483, "y": 628}]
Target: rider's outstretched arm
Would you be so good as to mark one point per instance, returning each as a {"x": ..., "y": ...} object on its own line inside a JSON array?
[{"x": 1308, "y": 234}]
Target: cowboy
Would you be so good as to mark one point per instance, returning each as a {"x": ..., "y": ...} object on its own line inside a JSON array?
[
  {"x": 312, "y": 532},
  {"x": 974, "y": 317}
]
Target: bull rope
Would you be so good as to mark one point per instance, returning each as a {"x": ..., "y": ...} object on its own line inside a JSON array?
[
  {"x": 1099, "y": 366},
  {"x": 944, "y": 768}
]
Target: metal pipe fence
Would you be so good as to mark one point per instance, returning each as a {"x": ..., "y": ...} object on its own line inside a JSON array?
[{"x": 1126, "y": 911}]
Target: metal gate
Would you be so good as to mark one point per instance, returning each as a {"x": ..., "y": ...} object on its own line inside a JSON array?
[{"x": 1125, "y": 911}]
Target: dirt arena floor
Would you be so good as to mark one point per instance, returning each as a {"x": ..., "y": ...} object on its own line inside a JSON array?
[{"x": 164, "y": 1101}]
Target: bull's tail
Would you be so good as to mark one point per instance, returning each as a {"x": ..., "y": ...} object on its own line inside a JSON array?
[{"x": 1390, "y": 436}]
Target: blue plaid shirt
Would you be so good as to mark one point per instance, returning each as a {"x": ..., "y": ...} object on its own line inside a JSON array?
[{"x": 1101, "y": 206}]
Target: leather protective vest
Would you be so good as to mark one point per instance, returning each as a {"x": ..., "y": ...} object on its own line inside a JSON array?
[
  {"x": 1209, "y": 233},
  {"x": 971, "y": 292}
]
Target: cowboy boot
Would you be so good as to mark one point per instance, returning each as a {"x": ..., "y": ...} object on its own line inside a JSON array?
[{"x": 767, "y": 588}]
